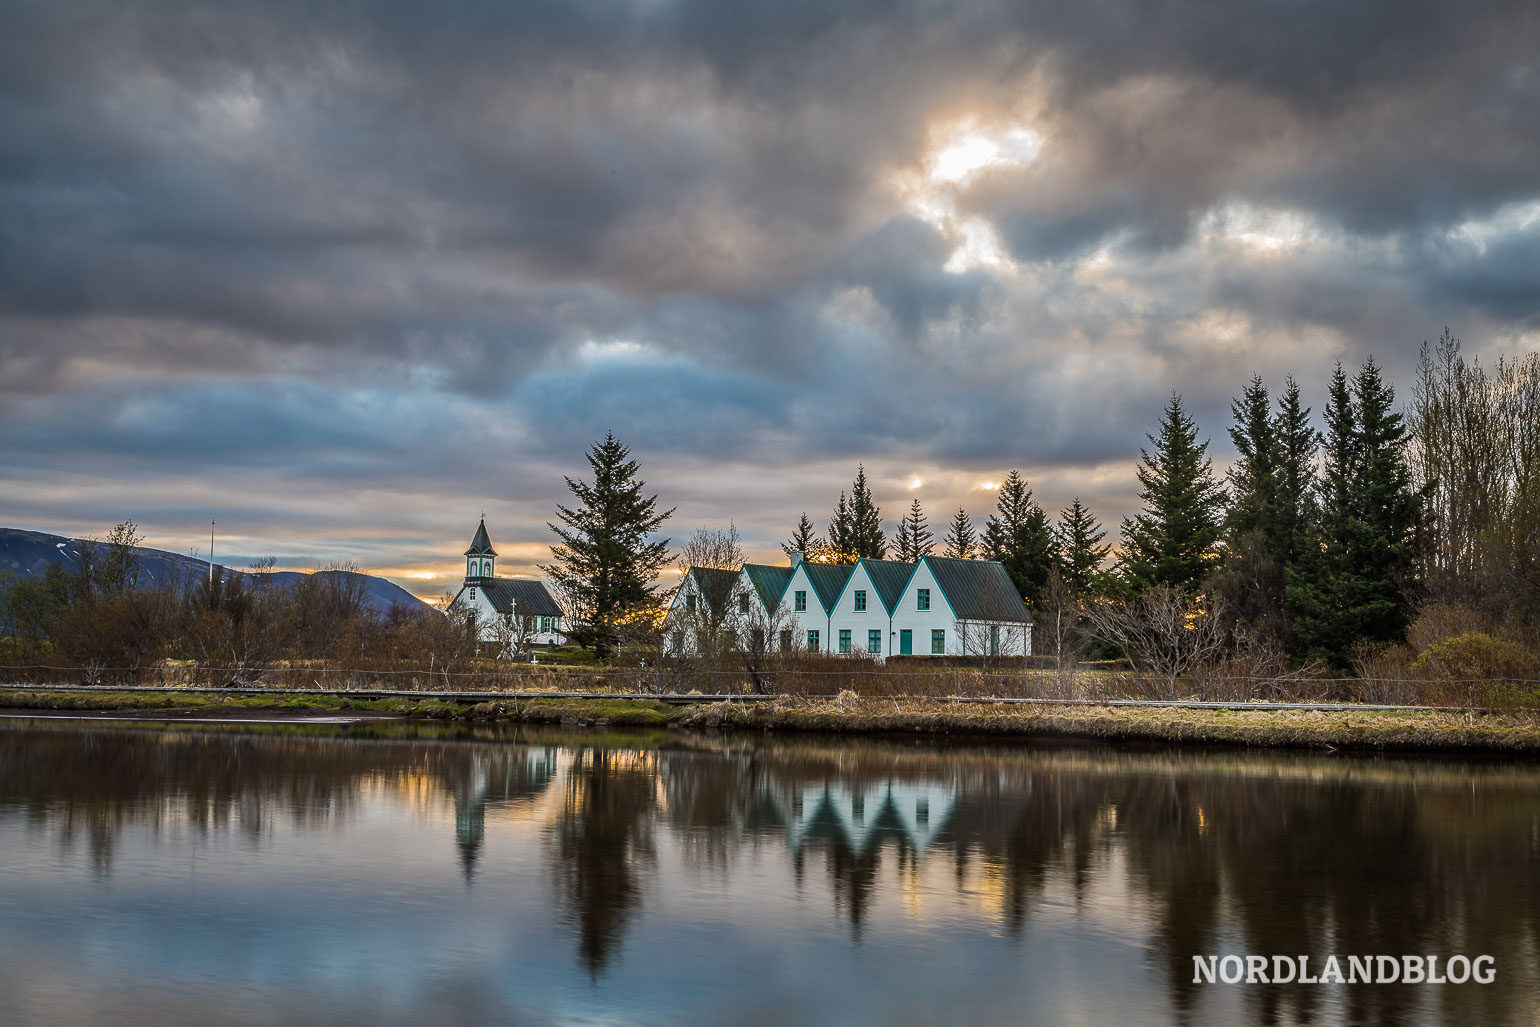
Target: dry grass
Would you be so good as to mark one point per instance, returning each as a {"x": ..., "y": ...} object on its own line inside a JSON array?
[
  {"x": 1411, "y": 731},
  {"x": 849, "y": 713}
]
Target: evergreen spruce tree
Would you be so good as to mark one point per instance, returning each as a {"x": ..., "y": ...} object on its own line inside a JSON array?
[
  {"x": 961, "y": 540},
  {"x": 842, "y": 533},
  {"x": 1297, "y": 442},
  {"x": 605, "y": 563},
  {"x": 804, "y": 540},
  {"x": 913, "y": 538},
  {"x": 1079, "y": 537},
  {"x": 1254, "y": 477},
  {"x": 1174, "y": 541},
  {"x": 867, "y": 540},
  {"x": 1358, "y": 585},
  {"x": 1251, "y": 574},
  {"x": 1019, "y": 537}
]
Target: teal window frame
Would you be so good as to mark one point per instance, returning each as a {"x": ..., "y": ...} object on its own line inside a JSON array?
[
  {"x": 799, "y": 601},
  {"x": 844, "y": 640},
  {"x": 812, "y": 638},
  {"x": 937, "y": 641},
  {"x": 874, "y": 641},
  {"x": 743, "y": 604},
  {"x": 860, "y": 600},
  {"x": 689, "y": 602},
  {"x": 922, "y": 599}
]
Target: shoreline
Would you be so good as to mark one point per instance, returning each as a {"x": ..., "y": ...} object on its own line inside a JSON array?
[{"x": 1422, "y": 731}]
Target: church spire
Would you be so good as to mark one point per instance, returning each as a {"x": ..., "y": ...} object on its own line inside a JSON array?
[{"x": 480, "y": 556}]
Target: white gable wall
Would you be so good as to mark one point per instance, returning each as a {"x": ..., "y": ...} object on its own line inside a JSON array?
[
  {"x": 860, "y": 623},
  {"x": 811, "y": 619}
]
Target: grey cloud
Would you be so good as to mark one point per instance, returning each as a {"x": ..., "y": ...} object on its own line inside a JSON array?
[{"x": 243, "y": 217}]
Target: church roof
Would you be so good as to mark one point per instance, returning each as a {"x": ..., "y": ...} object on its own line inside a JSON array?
[
  {"x": 481, "y": 545},
  {"x": 523, "y": 596}
]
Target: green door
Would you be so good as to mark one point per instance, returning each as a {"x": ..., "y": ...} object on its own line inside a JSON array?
[{"x": 906, "y": 643}]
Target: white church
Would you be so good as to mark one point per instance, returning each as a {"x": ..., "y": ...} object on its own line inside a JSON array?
[
  {"x": 935, "y": 606},
  {"x": 510, "y": 612}
]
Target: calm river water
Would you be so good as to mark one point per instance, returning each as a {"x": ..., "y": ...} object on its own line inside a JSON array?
[{"x": 383, "y": 874}]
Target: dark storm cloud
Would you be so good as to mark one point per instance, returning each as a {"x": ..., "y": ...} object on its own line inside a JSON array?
[{"x": 397, "y": 242}]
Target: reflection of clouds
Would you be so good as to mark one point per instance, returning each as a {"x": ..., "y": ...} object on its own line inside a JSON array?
[{"x": 1072, "y": 879}]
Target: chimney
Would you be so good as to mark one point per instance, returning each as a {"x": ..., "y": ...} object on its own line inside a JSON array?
[{"x": 796, "y": 557}]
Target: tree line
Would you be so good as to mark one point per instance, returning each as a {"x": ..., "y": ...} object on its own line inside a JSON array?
[
  {"x": 103, "y": 617},
  {"x": 1324, "y": 542}
]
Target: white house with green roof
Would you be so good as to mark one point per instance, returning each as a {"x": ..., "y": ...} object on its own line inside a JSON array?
[{"x": 879, "y": 608}]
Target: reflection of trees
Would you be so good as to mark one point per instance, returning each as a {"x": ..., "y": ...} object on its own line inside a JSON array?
[
  {"x": 1289, "y": 855},
  {"x": 1274, "y": 854},
  {"x": 603, "y": 836},
  {"x": 500, "y": 777}
]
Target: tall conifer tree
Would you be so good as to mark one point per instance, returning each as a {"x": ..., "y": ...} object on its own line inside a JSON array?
[
  {"x": 1019, "y": 537},
  {"x": 913, "y": 538},
  {"x": 961, "y": 539},
  {"x": 1174, "y": 541},
  {"x": 804, "y": 540},
  {"x": 1081, "y": 550},
  {"x": 1357, "y": 585},
  {"x": 867, "y": 539},
  {"x": 605, "y": 562}
]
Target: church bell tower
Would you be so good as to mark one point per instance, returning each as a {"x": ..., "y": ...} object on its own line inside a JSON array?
[{"x": 479, "y": 557}]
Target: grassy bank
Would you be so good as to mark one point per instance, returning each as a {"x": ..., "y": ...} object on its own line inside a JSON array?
[{"x": 1424, "y": 731}]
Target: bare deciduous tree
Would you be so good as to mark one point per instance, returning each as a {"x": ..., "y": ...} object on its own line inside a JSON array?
[{"x": 1163, "y": 633}]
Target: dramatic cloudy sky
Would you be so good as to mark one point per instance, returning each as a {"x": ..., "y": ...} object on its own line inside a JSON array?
[{"x": 344, "y": 275}]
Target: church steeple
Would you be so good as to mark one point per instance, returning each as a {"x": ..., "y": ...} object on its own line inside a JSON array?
[{"x": 480, "y": 556}]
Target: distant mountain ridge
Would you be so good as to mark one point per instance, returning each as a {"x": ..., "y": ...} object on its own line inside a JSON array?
[{"x": 31, "y": 553}]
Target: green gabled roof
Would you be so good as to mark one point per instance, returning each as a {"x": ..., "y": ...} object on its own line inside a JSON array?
[
  {"x": 828, "y": 581},
  {"x": 481, "y": 545},
  {"x": 714, "y": 582},
  {"x": 979, "y": 590},
  {"x": 889, "y": 578},
  {"x": 769, "y": 581}
]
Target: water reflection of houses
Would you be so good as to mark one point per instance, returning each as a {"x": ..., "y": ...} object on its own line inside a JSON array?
[
  {"x": 864, "y": 816},
  {"x": 496, "y": 778}
]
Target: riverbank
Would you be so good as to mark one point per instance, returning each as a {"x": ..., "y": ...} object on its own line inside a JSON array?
[{"x": 1373, "y": 730}]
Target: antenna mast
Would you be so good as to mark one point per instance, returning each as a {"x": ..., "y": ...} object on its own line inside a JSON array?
[{"x": 211, "y": 555}]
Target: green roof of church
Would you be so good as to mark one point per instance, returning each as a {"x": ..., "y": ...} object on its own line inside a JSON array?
[{"x": 481, "y": 545}]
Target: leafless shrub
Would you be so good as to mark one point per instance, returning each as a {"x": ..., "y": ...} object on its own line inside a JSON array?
[{"x": 1163, "y": 634}]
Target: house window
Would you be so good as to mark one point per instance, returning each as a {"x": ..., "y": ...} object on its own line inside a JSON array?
[
  {"x": 937, "y": 641},
  {"x": 860, "y": 600},
  {"x": 874, "y": 641},
  {"x": 689, "y": 602},
  {"x": 473, "y": 593},
  {"x": 922, "y": 599},
  {"x": 812, "y": 640},
  {"x": 786, "y": 641},
  {"x": 743, "y": 604},
  {"x": 799, "y": 601},
  {"x": 545, "y": 624},
  {"x": 844, "y": 640}
]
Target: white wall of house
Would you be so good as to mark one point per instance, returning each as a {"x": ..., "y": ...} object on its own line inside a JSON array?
[
  {"x": 813, "y": 618},
  {"x": 860, "y": 612}
]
